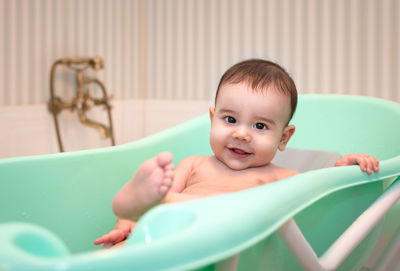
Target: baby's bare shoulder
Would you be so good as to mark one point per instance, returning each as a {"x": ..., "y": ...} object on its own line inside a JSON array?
[
  {"x": 192, "y": 160},
  {"x": 283, "y": 173}
]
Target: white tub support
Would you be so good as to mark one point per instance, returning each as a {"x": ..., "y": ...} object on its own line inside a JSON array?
[
  {"x": 391, "y": 259},
  {"x": 229, "y": 264},
  {"x": 298, "y": 245},
  {"x": 347, "y": 242}
]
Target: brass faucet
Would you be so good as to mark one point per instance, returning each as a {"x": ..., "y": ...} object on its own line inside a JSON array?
[{"x": 83, "y": 100}]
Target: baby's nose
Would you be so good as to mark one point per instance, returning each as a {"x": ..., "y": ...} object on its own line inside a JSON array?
[{"x": 241, "y": 133}]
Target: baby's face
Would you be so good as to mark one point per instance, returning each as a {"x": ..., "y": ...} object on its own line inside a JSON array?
[{"x": 247, "y": 127}]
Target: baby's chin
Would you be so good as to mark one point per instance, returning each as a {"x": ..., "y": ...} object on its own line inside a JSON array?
[{"x": 244, "y": 166}]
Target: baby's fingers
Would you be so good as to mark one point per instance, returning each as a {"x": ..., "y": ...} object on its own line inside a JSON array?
[
  {"x": 350, "y": 159},
  {"x": 113, "y": 236},
  {"x": 99, "y": 241},
  {"x": 107, "y": 238},
  {"x": 373, "y": 163},
  {"x": 368, "y": 163}
]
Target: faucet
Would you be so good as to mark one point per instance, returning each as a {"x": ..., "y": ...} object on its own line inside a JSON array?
[{"x": 83, "y": 101}]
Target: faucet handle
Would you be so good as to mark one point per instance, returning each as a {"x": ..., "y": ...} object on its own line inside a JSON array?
[{"x": 56, "y": 104}]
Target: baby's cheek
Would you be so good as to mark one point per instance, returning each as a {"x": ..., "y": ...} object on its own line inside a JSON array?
[
  {"x": 218, "y": 134},
  {"x": 267, "y": 149},
  {"x": 216, "y": 141}
]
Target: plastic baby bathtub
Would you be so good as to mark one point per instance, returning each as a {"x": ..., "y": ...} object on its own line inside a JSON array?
[{"x": 54, "y": 206}]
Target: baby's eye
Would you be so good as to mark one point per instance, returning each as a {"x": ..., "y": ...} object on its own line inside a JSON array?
[
  {"x": 230, "y": 119},
  {"x": 260, "y": 126}
]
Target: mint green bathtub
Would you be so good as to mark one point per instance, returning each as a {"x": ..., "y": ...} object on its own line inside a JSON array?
[{"x": 54, "y": 206}]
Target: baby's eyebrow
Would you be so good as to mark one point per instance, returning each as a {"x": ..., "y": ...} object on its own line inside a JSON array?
[
  {"x": 270, "y": 121},
  {"x": 226, "y": 111}
]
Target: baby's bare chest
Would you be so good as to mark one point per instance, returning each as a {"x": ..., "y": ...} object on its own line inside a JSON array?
[{"x": 211, "y": 181}]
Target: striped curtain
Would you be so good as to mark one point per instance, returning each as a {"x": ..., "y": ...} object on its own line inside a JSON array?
[{"x": 178, "y": 49}]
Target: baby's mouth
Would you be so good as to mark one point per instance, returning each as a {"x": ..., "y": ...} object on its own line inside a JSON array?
[{"x": 239, "y": 152}]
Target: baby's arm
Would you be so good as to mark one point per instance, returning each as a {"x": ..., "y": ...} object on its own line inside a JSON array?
[
  {"x": 182, "y": 173},
  {"x": 178, "y": 197},
  {"x": 120, "y": 232},
  {"x": 181, "y": 176},
  {"x": 367, "y": 162}
]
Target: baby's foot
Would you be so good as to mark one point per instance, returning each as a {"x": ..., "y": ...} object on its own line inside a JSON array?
[{"x": 147, "y": 188}]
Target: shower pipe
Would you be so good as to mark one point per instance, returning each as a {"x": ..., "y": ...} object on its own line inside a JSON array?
[{"x": 83, "y": 101}]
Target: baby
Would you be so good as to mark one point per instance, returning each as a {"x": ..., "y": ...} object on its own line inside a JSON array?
[{"x": 254, "y": 103}]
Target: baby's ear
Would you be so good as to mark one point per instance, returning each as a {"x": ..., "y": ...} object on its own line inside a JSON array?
[
  {"x": 211, "y": 112},
  {"x": 286, "y": 135}
]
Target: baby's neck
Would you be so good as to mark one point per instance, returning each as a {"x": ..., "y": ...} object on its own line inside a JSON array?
[{"x": 225, "y": 167}]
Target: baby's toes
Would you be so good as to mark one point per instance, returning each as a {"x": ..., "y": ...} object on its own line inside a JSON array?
[
  {"x": 164, "y": 189},
  {"x": 165, "y": 185},
  {"x": 164, "y": 159},
  {"x": 169, "y": 167},
  {"x": 167, "y": 182},
  {"x": 169, "y": 174}
]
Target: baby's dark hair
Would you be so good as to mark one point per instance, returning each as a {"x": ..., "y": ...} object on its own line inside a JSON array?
[{"x": 260, "y": 74}]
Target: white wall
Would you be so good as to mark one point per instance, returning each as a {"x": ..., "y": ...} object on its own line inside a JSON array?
[{"x": 29, "y": 130}]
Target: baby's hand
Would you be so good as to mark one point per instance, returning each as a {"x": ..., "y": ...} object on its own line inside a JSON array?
[
  {"x": 113, "y": 237},
  {"x": 367, "y": 162},
  {"x": 116, "y": 235}
]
